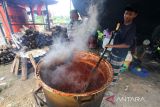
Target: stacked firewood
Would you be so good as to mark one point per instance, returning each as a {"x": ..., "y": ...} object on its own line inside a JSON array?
[
  {"x": 6, "y": 54},
  {"x": 43, "y": 40},
  {"x": 33, "y": 39}
]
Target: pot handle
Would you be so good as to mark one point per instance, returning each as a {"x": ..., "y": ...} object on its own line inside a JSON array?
[{"x": 85, "y": 99}]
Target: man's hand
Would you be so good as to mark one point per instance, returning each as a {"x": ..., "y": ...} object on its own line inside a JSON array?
[{"x": 109, "y": 46}]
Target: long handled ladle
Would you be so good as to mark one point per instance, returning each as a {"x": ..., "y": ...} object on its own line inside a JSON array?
[{"x": 93, "y": 71}]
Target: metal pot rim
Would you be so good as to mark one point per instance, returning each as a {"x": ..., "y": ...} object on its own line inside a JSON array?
[{"x": 45, "y": 86}]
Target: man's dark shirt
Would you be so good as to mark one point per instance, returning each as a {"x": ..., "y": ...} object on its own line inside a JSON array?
[{"x": 125, "y": 35}]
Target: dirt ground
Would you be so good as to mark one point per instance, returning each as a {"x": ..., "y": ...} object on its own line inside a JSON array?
[{"x": 17, "y": 93}]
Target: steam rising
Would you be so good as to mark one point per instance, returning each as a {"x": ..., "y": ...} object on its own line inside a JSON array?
[
  {"x": 80, "y": 36},
  {"x": 69, "y": 81},
  {"x": 64, "y": 51}
]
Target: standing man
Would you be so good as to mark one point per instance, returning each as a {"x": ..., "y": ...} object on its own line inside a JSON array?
[
  {"x": 123, "y": 40},
  {"x": 74, "y": 23}
]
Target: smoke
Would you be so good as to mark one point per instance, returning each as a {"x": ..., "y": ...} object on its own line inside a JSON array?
[
  {"x": 62, "y": 51},
  {"x": 66, "y": 80}
]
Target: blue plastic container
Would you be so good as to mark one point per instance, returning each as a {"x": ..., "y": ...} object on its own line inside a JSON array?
[{"x": 142, "y": 73}]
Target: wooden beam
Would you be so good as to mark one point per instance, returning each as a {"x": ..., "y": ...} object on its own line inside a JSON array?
[
  {"x": 17, "y": 65},
  {"x": 24, "y": 68},
  {"x": 49, "y": 26},
  {"x": 4, "y": 4},
  {"x": 13, "y": 64},
  {"x": 32, "y": 61}
]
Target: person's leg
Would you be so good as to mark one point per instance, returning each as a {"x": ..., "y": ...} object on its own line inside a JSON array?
[{"x": 116, "y": 63}]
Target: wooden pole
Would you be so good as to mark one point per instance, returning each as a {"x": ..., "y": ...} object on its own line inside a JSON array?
[
  {"x": 48, "y": 20},
  {"x": 32, "y": 12},
  {"x": 3, "y": 34},
  {"x": 24, "y": 68},
  {"x": 32, "y": 61},
  {"x": 13, "y": 64},
  {"x": 17, "y": 65},
  {"x": 4, "y": 4}
]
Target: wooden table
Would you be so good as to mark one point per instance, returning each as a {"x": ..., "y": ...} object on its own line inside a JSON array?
[{"x": 21, "y": 60}]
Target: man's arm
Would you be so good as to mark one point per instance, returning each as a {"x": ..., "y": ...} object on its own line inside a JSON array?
[
  {"x": 128, "y": 40},
  {"x": 118, "y": 46}
]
